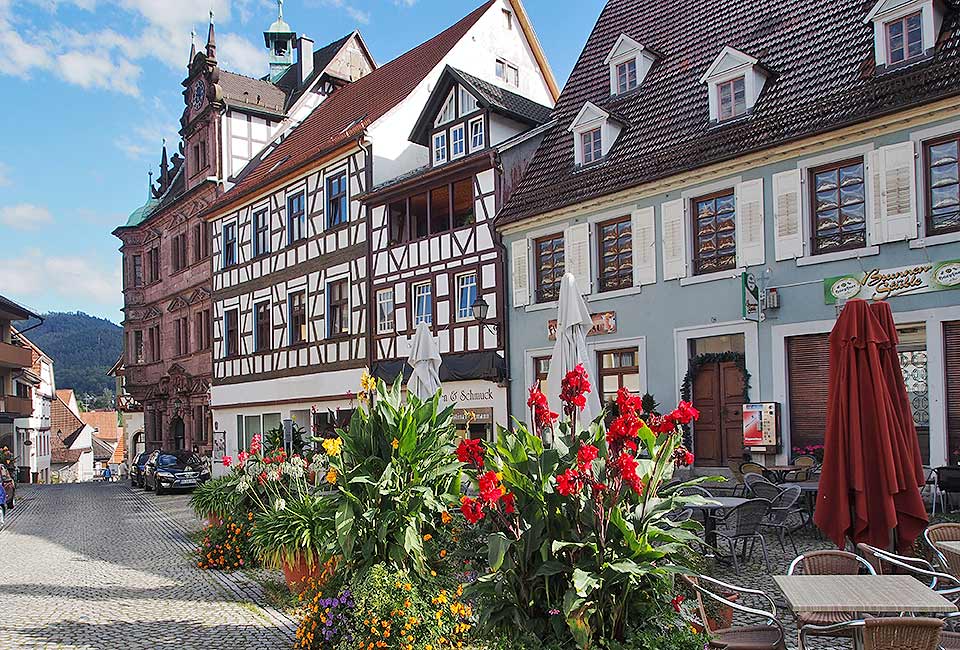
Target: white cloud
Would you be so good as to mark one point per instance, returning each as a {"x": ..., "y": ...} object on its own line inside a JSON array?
[
  {"x": 5, "y": 180},
  {"x": 144, "y": 140},
  {"x": 42, "y": 279},
  {"x": 93, "y": 70},
  {"x": 25, "y": 216},
  {"x": 236, "y": 53}
]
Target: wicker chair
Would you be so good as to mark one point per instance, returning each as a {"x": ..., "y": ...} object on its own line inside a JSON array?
[
  {"x": 761, "y": 488},
  {"x": 889, "y": 563},
  {"x": 807, "y": 465},
  {"x": 768, "y": 635},
  {"x": 740, "y": 487},
  {"x": 933, "y": 535},
  {"x": 828, "y": 563},
  {"x": 781, "y": 509},
  {"x": 742, "y": 524},
  {"x": 893, "y": 633},
  {"x": 752, "y": 468}
]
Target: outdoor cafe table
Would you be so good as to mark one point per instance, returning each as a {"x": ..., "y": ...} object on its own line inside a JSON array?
[
  {"x": 709, "y": 509},
  {"x": 953, "y": 547},
  {"x": 779, "y": 472}
]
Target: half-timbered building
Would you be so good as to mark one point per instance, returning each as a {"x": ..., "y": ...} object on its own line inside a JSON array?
[
  {"x": 435, "y": 259},
  {"x": 291, "y": 240},
  {"x": 227, "y": 120}
]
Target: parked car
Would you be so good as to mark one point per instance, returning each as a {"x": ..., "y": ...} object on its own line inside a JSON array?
[
  {"x": 137, "y": 468},
  {"x": 9, "y": 485},
  {"x": 174, "y": 470}
]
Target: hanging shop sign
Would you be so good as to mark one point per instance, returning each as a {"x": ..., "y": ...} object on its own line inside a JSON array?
[
  {"x": 604, "y": 322},
  {"x": 880, "y": 284},
  {"x": 750, "y": 294}
]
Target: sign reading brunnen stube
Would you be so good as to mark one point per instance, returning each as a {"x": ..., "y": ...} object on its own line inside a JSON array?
[{"x": 880, "y": 284}]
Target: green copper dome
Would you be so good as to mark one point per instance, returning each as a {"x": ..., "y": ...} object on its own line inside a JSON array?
[{"x": 140, "y": 214}]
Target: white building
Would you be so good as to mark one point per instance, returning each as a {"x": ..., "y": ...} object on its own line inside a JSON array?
[
  {"x": 32, "y": 439},
  {"x": 71, "y": 441}
]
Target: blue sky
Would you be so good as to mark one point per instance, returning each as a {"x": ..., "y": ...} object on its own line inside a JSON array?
[{"x": 91, "y": 87}]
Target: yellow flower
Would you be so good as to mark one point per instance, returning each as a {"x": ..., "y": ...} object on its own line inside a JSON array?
[
  {"x": 367, "y": 382},
  {"x": 333, "y": 446},
  {"x": 332, "y": 476},
  {"x": 395, "y": 443}
]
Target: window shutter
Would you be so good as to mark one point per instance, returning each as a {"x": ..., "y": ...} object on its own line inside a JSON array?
[
  {"x": 576, "y": 254},
  {"x": 788, "y": 235},
  {"x": 894, "y": 186},
  {"x": 674, "y": 239},
  {"x": 807, "y": 360},
  {"x": 519, "y": 251},
  {"x": 643, "y": 237},
  {"x": 951, "y": 346},
  {"x": 750, "y": 245}
]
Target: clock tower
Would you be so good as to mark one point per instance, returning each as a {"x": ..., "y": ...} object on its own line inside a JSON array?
[{"x": 200, "y": 124}]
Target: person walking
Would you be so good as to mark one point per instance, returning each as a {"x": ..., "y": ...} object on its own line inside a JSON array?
[
  {"x": 124, "y": 470},
  {"x": 106, "y": 474}
]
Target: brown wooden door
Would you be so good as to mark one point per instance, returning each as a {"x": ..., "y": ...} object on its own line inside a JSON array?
[{"x": 718, "y": 394}]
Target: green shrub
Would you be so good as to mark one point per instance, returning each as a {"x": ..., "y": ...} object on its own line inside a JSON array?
[
  {"x": 225, "y": 544},
  {"x": 294, "y": 530},
  {"x": 215, "y": 497}
]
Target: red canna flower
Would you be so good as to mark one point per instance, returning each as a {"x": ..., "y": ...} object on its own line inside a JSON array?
[
  {"x": 661, "y": 424},
  {"x": 568, "y": 483},
  {"x": 472, "y": 510},
  {"x": 573, "y": 389},
  {"x": 677, "y": 602},
  {"x": 682, "y": 457},
  {"x": 543, "y": 417},
  {"x": 627, "y": 465},
  {"x": 490, "y": 488},
  {"x": 623, "y": 433},
  {"x": 628, "y": 403},
  {"x": 470, "y": 452},
  {"x": 227, "y": 461},
  {"x": 509, "y": 503},
  {"x": 685, "y": 413},
  {"x": 585, "y": 457}
]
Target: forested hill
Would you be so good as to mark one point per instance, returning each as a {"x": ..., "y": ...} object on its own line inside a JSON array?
[{"x": 83, "y": 349}]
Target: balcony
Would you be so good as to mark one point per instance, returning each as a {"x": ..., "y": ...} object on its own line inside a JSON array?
[
  {"x": 18, "y": 407},
  {"x": 14, "y": 356}
]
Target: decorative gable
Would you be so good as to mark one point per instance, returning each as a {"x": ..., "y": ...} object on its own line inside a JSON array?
[
  {"x": 904, "y": 31},
  {"x": 594, "y": 133},
  {"x": 734, "y": 81},
  {"x": 629, "y": 63}
]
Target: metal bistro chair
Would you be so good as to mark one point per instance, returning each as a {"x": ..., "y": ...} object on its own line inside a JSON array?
[
  {"x": 828, "y": 563},
  {"x": 807, "y": 465},
  {"x": 750, "y": 467},
  {"x": 948, "y": 482},
  {"x": 778, "y": 519},
  {"x": 741, "y": 486},
  {"x": 888, "y": 563},
  {"x": 742, "y": 524},
  {"x": 769, "y": 635},
  {"x": 762, "y": 488},
  {"x": 893, "y": 633},
  {"x": 933, "y": 535}
]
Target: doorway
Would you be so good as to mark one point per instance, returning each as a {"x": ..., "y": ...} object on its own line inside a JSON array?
[
  {"x": 717, "y": 389},
  {"x": 177, "y": 433}
]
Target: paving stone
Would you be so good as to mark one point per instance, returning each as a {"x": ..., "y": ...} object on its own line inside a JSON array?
[{"x": 98, "y": 566}]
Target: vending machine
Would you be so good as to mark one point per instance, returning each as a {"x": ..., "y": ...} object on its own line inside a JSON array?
[{"x": 761, "y": 427}]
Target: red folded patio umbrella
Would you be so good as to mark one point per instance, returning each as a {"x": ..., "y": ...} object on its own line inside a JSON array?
[{"x": 868, "y": 486}]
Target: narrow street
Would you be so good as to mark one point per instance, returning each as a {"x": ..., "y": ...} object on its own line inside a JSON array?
[{"x": 98, "y": 566}]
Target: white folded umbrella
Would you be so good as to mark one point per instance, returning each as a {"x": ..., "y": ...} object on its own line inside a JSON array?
[
  {"x": 425, "y": 360},
  {"x": 573, "y": 324}
]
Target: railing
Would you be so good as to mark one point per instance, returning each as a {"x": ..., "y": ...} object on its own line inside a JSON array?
[
  {"x": 21, "y": 407},
  {"x": 14, "y": 356}
]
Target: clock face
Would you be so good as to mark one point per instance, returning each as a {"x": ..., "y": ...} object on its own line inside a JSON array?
[{"x": 199, "y": 93}]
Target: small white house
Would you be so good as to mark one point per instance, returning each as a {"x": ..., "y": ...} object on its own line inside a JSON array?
[{"x": 71, "y": 441}]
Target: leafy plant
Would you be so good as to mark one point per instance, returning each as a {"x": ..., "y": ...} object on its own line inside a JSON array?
[
  {"x": 394, "y": 479},
  {"x": 214, "y": 497},
  {"x": 226, "y": 544},
  {"x": 294, "y": 530},
  {"x": 273, "y": 441},
  {"x": 580, "y": 540}
]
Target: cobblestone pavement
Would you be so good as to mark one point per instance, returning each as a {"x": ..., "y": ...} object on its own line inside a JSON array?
[{"x": 100, "y": 567}]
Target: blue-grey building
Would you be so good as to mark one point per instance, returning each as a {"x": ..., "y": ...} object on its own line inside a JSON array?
[{"x": 810, "y": 145}]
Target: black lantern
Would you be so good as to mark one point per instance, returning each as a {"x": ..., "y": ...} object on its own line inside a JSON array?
[{"x": 480, "y": 309}]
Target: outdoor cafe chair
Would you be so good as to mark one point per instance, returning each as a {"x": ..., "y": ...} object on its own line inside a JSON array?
[
  {"x": 768, "y": 635},
  {"x": 807, "y": 467},
  {"x": 891, "y": 633},
  {"x": 778, "y": 519},
  {"x": 933, "y": 535},
  {"x": 750, "y": 467},
  {"x": 741, "y": 524},
  {"x": 762, "y": 488},
  {"x": 828, "y": 563},
  {"x": 889, "y": 563},
  {"x": 948, "y": 482},
  {"x": 741, "y": 486}
]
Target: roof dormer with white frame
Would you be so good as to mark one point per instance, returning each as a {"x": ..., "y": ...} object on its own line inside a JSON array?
[
  {"x": 735, "y": 81},
  {"x": 594, "y": 133},
  {"x": 629, "y": 63},
  {"x": 904, "y": 31}
]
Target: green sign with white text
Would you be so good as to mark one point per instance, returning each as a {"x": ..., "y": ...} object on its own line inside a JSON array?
[{"x": 880, "y": 284}]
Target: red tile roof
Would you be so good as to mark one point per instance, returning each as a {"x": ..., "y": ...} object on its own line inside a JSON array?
[
  {"x": 105, "y": 422},
  {"x": 345, "y": 114},
  {"x": 64, "y": 428}
]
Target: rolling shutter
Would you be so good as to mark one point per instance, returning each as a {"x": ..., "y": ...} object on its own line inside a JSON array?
[
  {"x": 644, "y": 240},
  {"x": 788, "y": 233},
  {"x": 951, "y": 348},
  {"x": 520, "y": 252},
  {"x": 674, "y": 237},
  {"x": 808, "y": 377},
  {"x": 750, "y": 251},
  {"x": 576, "y": 252},
  {"x": 894, "y": 185}
]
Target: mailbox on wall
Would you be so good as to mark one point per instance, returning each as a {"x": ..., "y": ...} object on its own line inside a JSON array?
[{"x": 761, "y": 427}]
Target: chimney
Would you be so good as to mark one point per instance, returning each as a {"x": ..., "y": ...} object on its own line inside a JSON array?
[{"x": 305, "y": 57}]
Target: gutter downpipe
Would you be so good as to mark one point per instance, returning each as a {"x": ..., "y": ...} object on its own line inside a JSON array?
[
  {"x": 368, "y": 281},
  {"x": 497, "y": 238}
]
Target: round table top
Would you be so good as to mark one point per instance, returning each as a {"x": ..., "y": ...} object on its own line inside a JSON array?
[
  {"x": 720, "y": 503},
  {"x": 783, "y": 468}
]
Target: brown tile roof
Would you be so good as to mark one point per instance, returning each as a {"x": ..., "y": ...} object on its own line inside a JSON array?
[
  {"x": 121, "y": 451},
  {"x": 104, "y": 421},
  {"x": 252, "y": 94},
  {"x": 820, "y": 55},
  {"x": 65, "y": 427},
  {"x": 346, "y": 113},
  {"x": 65, "y": 394}
]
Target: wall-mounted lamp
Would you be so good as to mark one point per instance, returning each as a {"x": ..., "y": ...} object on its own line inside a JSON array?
[{"x": 480, "y": 312}]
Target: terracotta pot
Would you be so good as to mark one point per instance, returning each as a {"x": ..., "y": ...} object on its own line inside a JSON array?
[
  {"x": 724, "y": 617},
  {"x": 299, "y": 572}
]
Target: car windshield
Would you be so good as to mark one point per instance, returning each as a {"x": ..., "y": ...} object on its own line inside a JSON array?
[{"x": 178, "y": 458}]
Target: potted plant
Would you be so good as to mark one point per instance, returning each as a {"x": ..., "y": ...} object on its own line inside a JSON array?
[
  {"x": 213, "y": 500},
  {"x": 292, "y": 537}
]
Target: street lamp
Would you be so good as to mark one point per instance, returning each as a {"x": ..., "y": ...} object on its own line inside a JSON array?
[{"x": 480, "y": 310}]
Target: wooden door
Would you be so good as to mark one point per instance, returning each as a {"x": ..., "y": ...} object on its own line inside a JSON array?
[{"x": 718, "y": 394}]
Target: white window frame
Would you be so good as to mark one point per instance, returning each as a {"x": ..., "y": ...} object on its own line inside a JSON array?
[
  {"x": 623, "y": 52},
  {"x": 465, "y": 312},
  {"x": 428, "y": 317},
  {"x": 504, "y": 70},
  {"x": 389, "y": 326},
  {"x": 718, "y": 88},
  {"x": 636, "y": 79},
  {"x": 931, "y": 20},
  {"x": 462, "y": 131},
  {"x": 449, "y": 105},
  {"x": 596, "y": 138},
  {"x": 439, "y": 147},
  {"x": 589, "y": 118},
  {"x": 754, "y": 79},
  {"x": 467, "y": 99},
  {"x": 919, "y": 139},
  {"x": 474, "y": 145}
]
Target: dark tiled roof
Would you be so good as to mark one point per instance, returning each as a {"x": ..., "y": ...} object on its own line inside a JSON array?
[
  {"x": 346, "y": 113},
  {"x": 822, "y": 63},
  {"x": 488, "y": 95},
  {"x": 247, "y": 93}
]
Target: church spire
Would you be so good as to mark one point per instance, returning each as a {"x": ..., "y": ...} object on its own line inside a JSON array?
[
  {"x": 279, "y": 39},
  {"x": 149, "y": 184},
  {"x": 164, "y": 167},
  {"x": 211, "y": 40},
  {"x": 193, "y": 46}
]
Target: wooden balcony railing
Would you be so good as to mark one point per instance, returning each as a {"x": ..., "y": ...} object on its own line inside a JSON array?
[{"x": 14, "y": 356}]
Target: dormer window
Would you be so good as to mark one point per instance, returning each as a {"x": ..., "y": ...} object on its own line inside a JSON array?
[
  {"x": 904, "y": 31},
  {"x": 732, "y": 98},
  {"x": 458, "y": 142},
  {"x": 629, "y": 63},
  {"x": 734, "y": 81},
  {"x": 594, "y": 133},
  {"x": 449, "y": 112},
  {"x": 439, "y": 148},
  {"x": 468, "y": 103}
]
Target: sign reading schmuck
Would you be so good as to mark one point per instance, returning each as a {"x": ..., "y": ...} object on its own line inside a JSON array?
[{"x": 880, "y": 284}]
